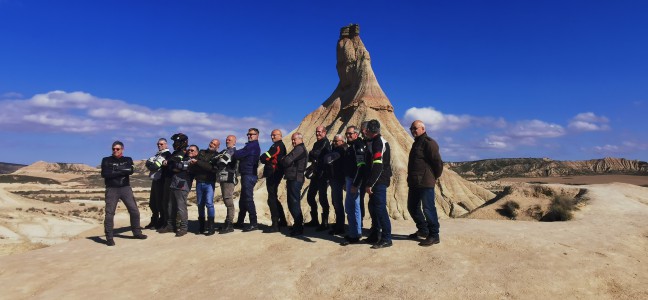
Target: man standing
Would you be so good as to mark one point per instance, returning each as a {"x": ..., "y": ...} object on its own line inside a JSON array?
[
  {"x": 115, "y": 170},
  {"x": 203, "y": 171},
  {"x": 354, "y": 168},
  {"x": 378, "y": 179},
  {"x": 180, "y": 185},
  {"x": 248, "y": 162},
  {"x": 334, "y": 172},
  {"x": 227, "y": 176},
  {"x": 318, "y": 183},
  {"x": 294, "y": 164},
  {"x": 157, "y": 175},
  {"x": 273, "y": 172},
  {"x": 424, "y": 167}
]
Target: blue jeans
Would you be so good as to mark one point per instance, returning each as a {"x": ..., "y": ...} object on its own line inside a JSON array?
[
  {"x": 293, "y": 188},
  {"x": 352, "y": 207},
  {"x": 338, "y": 202},
  {"x": 205, "y": 197},
  {"x": 246, "y": 203},
  {"x": 427, "y": 221},
  {"x": 378, "y": 201}
]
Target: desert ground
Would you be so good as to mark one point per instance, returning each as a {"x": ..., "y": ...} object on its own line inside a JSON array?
[{"x": 48, "y": 252}]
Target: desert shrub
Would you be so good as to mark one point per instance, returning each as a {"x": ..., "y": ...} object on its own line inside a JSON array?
[
  {"x": 535, "y": 212},
  {"x": 560, "y": 209},
  {"x": 26, "y": 179},
  {"x": 509, "y": 209},
  {"x": 539, "y": 189}
]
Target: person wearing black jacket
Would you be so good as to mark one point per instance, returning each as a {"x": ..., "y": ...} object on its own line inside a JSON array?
[
  {"x": 354, "y": 167},
  {"x": 115, "y": 170},
  {"x": 423, "y": 169},
  {"x": 377, "y": 180},
  {"x": 294, "y": 164},
  {"x": 273, "y": 172},
  {"x": 156, "y": 198},
  {"x": 180, "y": 185},
  {"x": 334, "y": 172},
  {"x": 318, "y": 184},
  {"x": 203, "y": 172}
]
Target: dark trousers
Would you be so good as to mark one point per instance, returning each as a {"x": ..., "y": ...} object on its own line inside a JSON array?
[
  {"x": 318, "y": 186},
  {"x": 276, "y": 209},
  {"x": 113, "y": 195},
  {"x": 178, "y": 208},
  {"x": 378, "y": 202},
  {"x": 166, "y": 195},
  {"x": 338, "y": 202},
  {"x": 155, "y": 200},
  {"x": 293, "y": 190},
  {"x": 427, "y": 220},
  {"x": 246, "y": 202},
  {"x": 361, "y": 190}
]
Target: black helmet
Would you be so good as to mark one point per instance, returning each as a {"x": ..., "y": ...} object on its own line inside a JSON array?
[{"x": 180, "y": 140}]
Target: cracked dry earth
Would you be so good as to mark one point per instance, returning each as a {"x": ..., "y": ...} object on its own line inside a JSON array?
[{"x": 600, "y": 254}]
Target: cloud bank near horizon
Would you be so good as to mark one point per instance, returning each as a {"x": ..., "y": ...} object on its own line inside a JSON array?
[
  {"x": 83, "y": 113},
  {"x": 503, "y": 136}
]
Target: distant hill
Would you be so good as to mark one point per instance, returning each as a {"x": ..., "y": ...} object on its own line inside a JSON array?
[
  {"x": 490, "y": 169},
  {"x": 7, "y": 168}
]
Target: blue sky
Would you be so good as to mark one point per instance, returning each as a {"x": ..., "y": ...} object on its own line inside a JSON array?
[{"x": 566, "y": 80}]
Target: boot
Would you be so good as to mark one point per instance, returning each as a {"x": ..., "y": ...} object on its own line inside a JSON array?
[
  {"x": 324, "y": 225},
  {"x": 313, "y": 222},
  {"x": 374, "y": 237},
  {"x": 166, "y": 229},
  {"x": 227, "y": 228},
  {"x": 153, "y": 222},
  {"x": 201, "y": 223},
  {"x": 210, "y": 226},
  {"x": 430, "y": 240}
]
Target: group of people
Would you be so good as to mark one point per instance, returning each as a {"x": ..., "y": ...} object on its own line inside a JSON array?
[{"x": 357, "y": 163}]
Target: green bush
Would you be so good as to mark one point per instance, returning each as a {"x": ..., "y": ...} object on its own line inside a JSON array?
[{"x": 560, "y": 209}]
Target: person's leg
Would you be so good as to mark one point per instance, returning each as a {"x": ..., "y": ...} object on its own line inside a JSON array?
[
  {"x": 126, "y": 194},
  {"x": 227, "y": 190},
  {"x": 429, "y": 209},
  {"x": 352, "y": 205},
  {"x": 166, "y": 194},
  {"x": 379, "y": 197},
  {"x": 273, "y": 202},
  {"x": 322, "y": 186},
  {"x": 312, "y": 203},
  {"x": 111, "y": 199},
  {"x": 338, "y": 205},
  {"x": 293, "y": 190},
  {"x": 251, "y": 207},
  {"x": 181, "y": 202},
  {"x": 414, "y": 207},
  {"x": 201, "y": 199}
]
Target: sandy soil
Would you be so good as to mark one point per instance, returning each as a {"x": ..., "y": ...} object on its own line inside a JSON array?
[{"x": 600, "y": 254}]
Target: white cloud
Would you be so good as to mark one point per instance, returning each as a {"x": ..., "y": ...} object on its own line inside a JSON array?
[
  {"x": 589, "y": 122},
  {"x": 535, "y": 129},
  {"x": 79, "y": 112},
  {"x": 435, "y": 120}
]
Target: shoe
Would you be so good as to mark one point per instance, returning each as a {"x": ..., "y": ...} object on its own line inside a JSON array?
[
  {"x": 210, "y": 226},
  {"x": 238, "y": 225},
  {"x": 335, "y": 231},
  {"x": 382, "y": 244},
  {"x": 272, "y": 229},
  {"x": 227, "y": 228},
  {"x": 140, "y": 236},
  {"x": 201, "y": 225},
  {"x": 350, "y": 240},
  {"x": 431, "y": 240},
  {"x": 150, "y": 226},
  {"x": 417, "y": 235},
  {"x": 110, "y": 242},
  {"x": 296, "y": 232},
  {"x": 251, "y": 227},
  {"x": 181, "y": 232},
  {"x": 312, "y": 223},
  {"x": 283, "y": 223},
  {"x": 165, "y": 229},
  {"x": 322, "y": 227}
]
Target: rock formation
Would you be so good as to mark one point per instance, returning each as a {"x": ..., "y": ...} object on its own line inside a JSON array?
[
  {"x": 490, "y": 169},
  {"x": 357, "y": 98}
]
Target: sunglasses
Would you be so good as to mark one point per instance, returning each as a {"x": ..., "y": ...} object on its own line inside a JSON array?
[
  {"x": 116, "y": 149},
  {"x": 350, "y": 133},
  {"x": 192, "y": 150},
  {"x": 251, "y": 134}
]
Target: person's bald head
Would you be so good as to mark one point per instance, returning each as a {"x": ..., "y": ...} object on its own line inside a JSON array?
[
  {"x": 276, "y": 135},
  {"x": 214, "y": 145},
  {"x": 417, "y": 128},
  {"x": 230, "y": 141},
  {"x": 297, "y": 138}
]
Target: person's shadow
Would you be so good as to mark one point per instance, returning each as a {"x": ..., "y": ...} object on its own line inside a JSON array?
[{"x": 117, "y": 233}]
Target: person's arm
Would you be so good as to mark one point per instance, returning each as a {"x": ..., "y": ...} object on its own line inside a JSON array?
[
  {"x": 433, "y": 157},
  {"x": 241, "y": 153},
  {"x": 361, "y": 165},
  {"x": 376, "y": 163}
]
